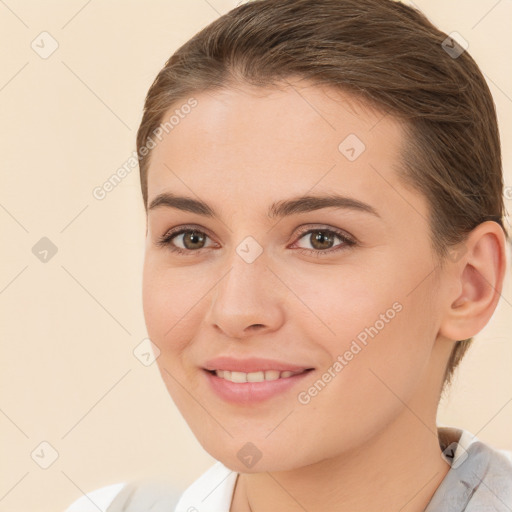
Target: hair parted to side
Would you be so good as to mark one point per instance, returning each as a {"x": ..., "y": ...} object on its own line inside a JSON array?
[{"x": 384, "y": 53}]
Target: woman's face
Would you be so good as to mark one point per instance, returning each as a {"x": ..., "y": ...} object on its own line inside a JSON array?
[{"x": 348, "y": 290}]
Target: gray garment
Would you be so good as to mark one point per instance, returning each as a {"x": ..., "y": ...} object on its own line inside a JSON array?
[
  {"x": 480, "y": 477},
  {"x": 479, "y": 480}
]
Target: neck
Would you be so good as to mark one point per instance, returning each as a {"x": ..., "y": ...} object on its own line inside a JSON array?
[{"x": 401, "y": 467}]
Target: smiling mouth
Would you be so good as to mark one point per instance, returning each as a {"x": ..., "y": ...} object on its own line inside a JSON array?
[{"x": 257, "y": 376}]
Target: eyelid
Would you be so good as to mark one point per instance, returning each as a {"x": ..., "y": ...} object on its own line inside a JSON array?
[
  {"x": 347, "y": 239},
  {"x": 165, "y": 239},
  {"x": 302, "y": 230},
  {"x": 186, "y": 227}
]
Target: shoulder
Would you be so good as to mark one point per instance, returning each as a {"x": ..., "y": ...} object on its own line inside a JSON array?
[
  {"x": 506, "y": 456},
  {"x": 487, "y": 471},
  {"x": 211, "y": 492},
  {"x": 132, "y": 496},
  {"x": 98, "y": 499},
  {"x": 480, "y": 477}
]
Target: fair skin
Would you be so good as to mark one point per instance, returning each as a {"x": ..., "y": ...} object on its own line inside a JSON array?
[{"x": 369, "y": 437}]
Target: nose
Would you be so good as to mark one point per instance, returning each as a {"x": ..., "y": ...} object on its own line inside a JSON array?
[{"x": 247, "y": 300}]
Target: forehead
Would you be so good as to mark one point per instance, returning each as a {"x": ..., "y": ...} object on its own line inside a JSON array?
[{"x": 258, "y": 145}]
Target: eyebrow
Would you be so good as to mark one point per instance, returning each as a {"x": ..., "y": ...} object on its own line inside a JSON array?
[{"x": 301, "y": 204}]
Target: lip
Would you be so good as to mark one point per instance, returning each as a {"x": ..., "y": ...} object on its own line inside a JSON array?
[
  {"x": 252, "y": 364},
  {"x": 248, "y": 393}
]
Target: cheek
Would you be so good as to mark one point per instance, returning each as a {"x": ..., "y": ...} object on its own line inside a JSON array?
[
  {"x": 170, "y": 297},
  {"x": 362, "y": 385},
  {"x": 175, "y": 304},
  {"x": 170, "y": 304},
  {"x": 374, "y": 336},
  {"x": 336, "y": 304}
]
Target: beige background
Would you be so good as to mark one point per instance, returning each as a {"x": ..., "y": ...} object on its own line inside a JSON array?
[{"x": 69, "y": 326}]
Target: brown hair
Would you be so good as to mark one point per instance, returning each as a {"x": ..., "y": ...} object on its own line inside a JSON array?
[{"x": 384, "y": 53}]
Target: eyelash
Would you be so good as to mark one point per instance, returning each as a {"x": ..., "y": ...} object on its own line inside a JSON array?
[{"x": 165, "y": 241}]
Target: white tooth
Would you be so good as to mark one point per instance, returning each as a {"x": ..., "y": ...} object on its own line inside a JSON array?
[
  {"x": 256, "y": 377},
  {"x": 238, "y": 377},
  {"x": 272, "y": 375},
  {"x": 260, "y": 376}
]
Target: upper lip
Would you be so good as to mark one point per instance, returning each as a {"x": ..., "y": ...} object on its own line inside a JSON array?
[{"x": 252, "y": 364}]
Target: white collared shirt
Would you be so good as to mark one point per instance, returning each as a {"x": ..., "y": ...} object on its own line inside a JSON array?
[{"x": 479, "y": 480}]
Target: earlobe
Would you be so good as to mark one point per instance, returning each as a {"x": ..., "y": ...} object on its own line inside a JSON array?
[{"x": 479, "y": 274}]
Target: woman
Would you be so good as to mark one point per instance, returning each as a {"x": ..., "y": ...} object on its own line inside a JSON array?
[{"x": 323, "y": 189}]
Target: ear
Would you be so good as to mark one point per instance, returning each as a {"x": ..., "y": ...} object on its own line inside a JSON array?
[{"x": 477, "y": 268}]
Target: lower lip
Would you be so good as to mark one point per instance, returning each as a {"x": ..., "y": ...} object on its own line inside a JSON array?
[{"x": 252, "y": 392}]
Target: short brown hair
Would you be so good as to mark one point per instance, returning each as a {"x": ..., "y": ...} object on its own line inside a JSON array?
[{"x": 383, "y": 52}]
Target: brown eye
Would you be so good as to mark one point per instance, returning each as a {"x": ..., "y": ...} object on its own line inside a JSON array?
[
  {"x": 193, "y": 240},
  {"x": 185, "y": 241},
  {"x": 321, "y": 239}
]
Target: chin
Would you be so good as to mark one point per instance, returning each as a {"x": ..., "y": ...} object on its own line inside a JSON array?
[{"x": 246, "y": 457}]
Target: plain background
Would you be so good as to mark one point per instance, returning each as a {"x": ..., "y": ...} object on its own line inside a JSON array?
[{"x": 70, "y": 325}]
